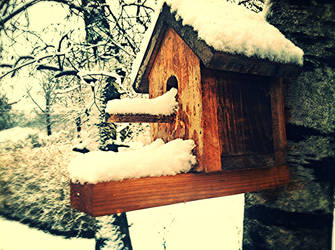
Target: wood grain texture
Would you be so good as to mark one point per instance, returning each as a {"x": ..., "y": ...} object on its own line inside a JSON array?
[
  {"x": 212, "y": 147},
  {"x": 133, "y": 194},
  {"x": 143, "y": 118},
  {"x": 175, "y": 58},
  {"x": 244, "y": 114},
  {"x": 278, "y": 120},
  {"x": 237, "y": 119}
]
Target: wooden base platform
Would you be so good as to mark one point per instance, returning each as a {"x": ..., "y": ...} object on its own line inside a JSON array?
[{"x": 133, "y": 194}]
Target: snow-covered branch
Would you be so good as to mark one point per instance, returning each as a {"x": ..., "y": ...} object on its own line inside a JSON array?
[
  {"x": 32, "y": 61},
  {"x": 5, "y": 19}
]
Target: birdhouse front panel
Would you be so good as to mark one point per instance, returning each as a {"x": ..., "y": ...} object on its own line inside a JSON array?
[{"x": 177, "y": 66}]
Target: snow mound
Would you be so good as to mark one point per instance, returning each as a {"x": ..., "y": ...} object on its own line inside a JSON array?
[
  {"x": 17, "y": 134},
  {"x": 165, "y": 104},
  {"x": 155, "y": 159}
]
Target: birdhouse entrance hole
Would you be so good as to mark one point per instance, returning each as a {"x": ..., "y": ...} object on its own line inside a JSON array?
[{"x": 172, "y": 82}]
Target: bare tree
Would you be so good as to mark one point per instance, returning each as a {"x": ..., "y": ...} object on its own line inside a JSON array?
[{"x": 113, "y": 35}]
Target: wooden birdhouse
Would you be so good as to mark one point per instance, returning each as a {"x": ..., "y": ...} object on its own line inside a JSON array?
[{"x": 230, "y": 103}]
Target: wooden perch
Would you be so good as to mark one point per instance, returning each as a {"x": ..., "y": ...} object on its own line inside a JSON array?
[
  {"x": 142, "y": 118},
  {"x": 132, "y": 194}
]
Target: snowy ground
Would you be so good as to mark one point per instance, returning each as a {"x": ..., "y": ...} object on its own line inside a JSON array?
[
  {"x": 207, "y": 224},
  {"x": 16, "y": 236},
  {"x": 214, "y": 224}
]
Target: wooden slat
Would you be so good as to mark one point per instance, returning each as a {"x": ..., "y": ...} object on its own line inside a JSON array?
[
  {"x": 244, "y": 114},
  {"x": 278, "y": 120},
  {"x": 133, "y": 194},
  {"x": 212, "y": 148},
  {"x": 142, "y": 118}
]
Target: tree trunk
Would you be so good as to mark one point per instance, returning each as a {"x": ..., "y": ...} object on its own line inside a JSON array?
[
  {"x": 117, "y": 224},
  {"x": 47, "y": 114},
  {"x": 300, "y": 215},
  {"x": 118, "y": 236}
]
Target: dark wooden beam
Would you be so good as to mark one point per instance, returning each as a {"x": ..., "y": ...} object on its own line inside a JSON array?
[
  {"x": 143, "y": 118},
  {"x": 133, "y": 194}
]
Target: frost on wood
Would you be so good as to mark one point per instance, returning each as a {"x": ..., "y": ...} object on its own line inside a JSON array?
[
  {"x": 162, "y": 105},
  {"x": 155, "y": 159}
]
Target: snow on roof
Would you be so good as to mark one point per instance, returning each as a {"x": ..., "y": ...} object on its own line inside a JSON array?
[
  {"x": 229, "y": 28},
  {"x": 232, "y": 28},
  {"x": 155, "y": 159},
  {"x": 165, "y": 104}
]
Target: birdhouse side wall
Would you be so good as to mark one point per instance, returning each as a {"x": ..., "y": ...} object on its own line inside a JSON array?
[
  {"x": 175, "y": 58},
  {"x": 237, "y": 119}
]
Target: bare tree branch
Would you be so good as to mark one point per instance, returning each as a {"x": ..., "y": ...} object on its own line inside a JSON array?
[
  {"x": 18, "y": 11},
  {"x": 7, "y": 18},
  {"x": 47, "y": 67},
  {"x": 67, "y": 73},
  {"x": 42, "y": 110},
  {"x": 34, "y": 60},
  {"x": 121, "y": 29},
  {"x": 5, "y": 65}
]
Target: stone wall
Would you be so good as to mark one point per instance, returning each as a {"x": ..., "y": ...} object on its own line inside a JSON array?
[{"x": 300, "y": 216}]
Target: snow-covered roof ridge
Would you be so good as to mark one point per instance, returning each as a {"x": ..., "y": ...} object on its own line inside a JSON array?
[
  {"x": 165, "y": 104},
  {"x": 224, "y": 36},
  {"x": 155, "y": 159},
  {"x": 232, "y": 28}
]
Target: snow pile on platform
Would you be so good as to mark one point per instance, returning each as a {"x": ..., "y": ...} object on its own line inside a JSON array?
[
  {"x": 155, "y": 159},
  {"x": 165, "y": 104}
]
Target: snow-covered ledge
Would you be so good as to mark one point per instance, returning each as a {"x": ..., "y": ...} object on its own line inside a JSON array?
[
  {"x": 155, "y": 159},
  {"x": 159, "y": 109}
]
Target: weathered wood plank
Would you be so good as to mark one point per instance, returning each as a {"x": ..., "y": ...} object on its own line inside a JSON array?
[
  {"x": 210, "y": 102},
  {"x": 244, "y": 120},
  {"x": 133, "y": 194},
  {"x": 175, "y": 58},
  {"x": 278, "y": 120},
  {"x": 143, "y": 118},
  {"x": 245, "y": 109}
]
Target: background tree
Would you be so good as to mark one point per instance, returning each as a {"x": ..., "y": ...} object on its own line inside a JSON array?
[
  {"x": 5, "y": 115},
  {"x": 113, "y": 35}
]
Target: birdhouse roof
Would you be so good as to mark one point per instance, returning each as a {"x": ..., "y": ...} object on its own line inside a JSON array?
[{"x": 223, "y": 35}]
